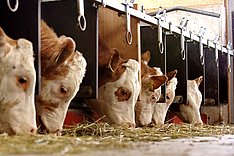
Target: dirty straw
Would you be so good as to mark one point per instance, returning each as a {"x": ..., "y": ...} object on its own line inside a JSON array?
[{"x": 102, "y": 136}]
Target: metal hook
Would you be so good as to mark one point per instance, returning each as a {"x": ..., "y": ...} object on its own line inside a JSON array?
[
  {"x": 161, "y": 47},
  {"x": 229, "y": 45},
  {"x": 183, "y": 23},
  {"x": 104, "y": 3},
  {"x": 201, "y": 51},
  {"x": 129, "y": 37},
  {"x": 221, "y": 49},
  {"x": 215, "y": 41},
  {"x": 128, "y": 27},
  {"x": 208, "y": 43},
  {"x": 216, "y": 56},
  {"x": 190, "y": 35},
  {"x": 81, "y": 18},
  {"x": 16, "y": 5},
  {"x": 182, "y": 54},
  {"x": 201, "y": 34},
  {"x": 170, "y": 29},
  {"x": 160, "y": 42},
  {"x": 202, "y": 60},
  {"x": 182, "y": 45}
]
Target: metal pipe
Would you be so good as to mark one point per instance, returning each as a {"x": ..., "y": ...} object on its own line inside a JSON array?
[
  {"x": 114, "y": 5},
  {"x": 202, "y": 12}
]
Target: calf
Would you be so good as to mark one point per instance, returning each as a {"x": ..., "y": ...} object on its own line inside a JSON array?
[
  {"x": 189, "y": 112},
  {"x": 160, "y": 108},
  {"x": 118, "y": 86},
  {"x": 62, "y": 71},
  {"x": 151, "y": 81},
  {"x": 17, "y": 84}
]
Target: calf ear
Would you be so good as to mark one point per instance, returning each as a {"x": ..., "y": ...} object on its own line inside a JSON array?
[
  {"x": 171, "y": 74},
  {"x": 115, "y": 57},
  {"x": 146, "y": 57},
  {"x": 199, "y": 80},
  {"x": 156, "y": 81},
  {"x": 2, "y": 37},
  {"x": 68, "y": 50}
]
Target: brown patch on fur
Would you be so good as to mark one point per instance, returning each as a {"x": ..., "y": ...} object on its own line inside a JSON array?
[
  {"x": 199, "y": 80},
  {"x": 146, "y": 57},
  {"x": 123, "y": 94},
  {"x": 171, "y": 75},
  {"x": 54, "y": 52},
  {"x": 109, "y": 59},
  {"x": 104, "y": 53},
  {"x": 146, "y": 70},
  {"x": 5, "y": 39}
]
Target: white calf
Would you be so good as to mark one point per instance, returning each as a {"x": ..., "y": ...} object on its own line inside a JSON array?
[
  {"x": 191, "y": 111},
  {"x": 17, "y": 84}
]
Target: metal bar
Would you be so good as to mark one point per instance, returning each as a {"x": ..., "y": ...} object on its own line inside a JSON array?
[
  {"x": 153, "y": 21},
  {"x": 202, "y": 12},
  {"x": 49, "y": 0}
]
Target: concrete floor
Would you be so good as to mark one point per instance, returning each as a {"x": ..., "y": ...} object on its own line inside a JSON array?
[{"x": 197, "y": 146}]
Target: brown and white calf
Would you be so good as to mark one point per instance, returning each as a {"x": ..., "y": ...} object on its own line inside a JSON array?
[
  {"x": 118, "y": 87},
  {"x": 151, "y": 81},
  {"x": 62, "y": 71},
  {"x": 17, "y": 84},
  {"x": 161, "y": 108}
]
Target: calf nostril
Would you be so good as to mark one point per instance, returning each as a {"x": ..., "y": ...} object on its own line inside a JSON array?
[
  {"x": 33, "y": 130},
  {"x": 131, "y": 125},
  {"x": 58, "y": 132}
]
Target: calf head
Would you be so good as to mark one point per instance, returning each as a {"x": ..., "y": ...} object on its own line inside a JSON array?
[
  {"x": 151, "y": 81},
  {"x": 160, "y": 109},
  {"x": 191, "y": 111},
  {"x": 17, "y": 84},
  {"x": 119, "y": 96},
  {"x": 63, "y": 69},
  {"x": 118, "y": 87}
]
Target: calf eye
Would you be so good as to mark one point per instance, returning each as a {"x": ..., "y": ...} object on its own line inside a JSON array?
[
  {"x": 122, "y": 94},
  {"x": 22, "y": 82},
  {"x": 63, "y": 90}
]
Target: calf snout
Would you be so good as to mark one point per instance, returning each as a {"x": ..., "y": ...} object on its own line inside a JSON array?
[{"x": 129, "y": 125}]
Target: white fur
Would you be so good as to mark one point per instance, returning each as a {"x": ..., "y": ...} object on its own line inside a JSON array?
[
  {"x": 160, "y": 109},
  {"x": 17, "y": 106},
  {"x": 191, "y": 111}
]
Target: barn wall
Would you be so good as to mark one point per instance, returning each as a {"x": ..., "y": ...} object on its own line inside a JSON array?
[{"x": 112, "y": 28}]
